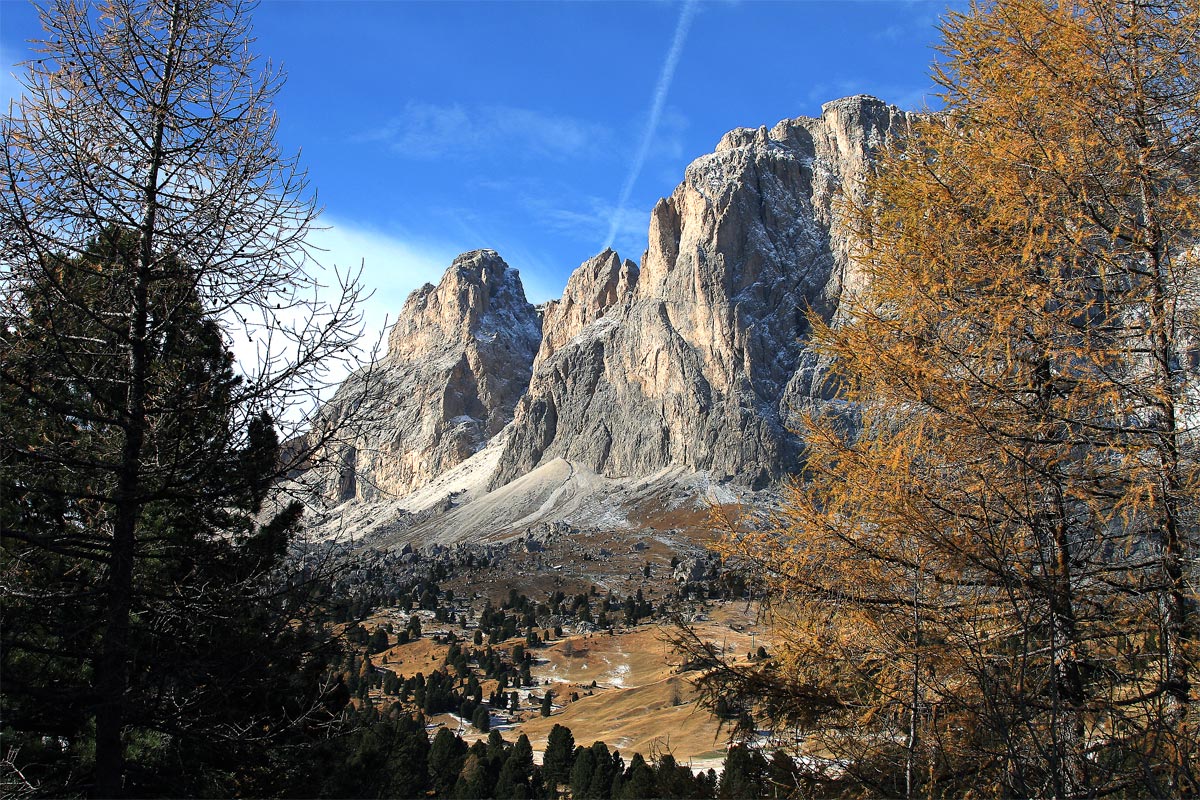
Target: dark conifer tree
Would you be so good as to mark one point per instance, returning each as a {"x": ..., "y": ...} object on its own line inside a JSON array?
[
  {"x": 558, "y": 758},
  {"x": 600, "y": 786},
  {"x": 202, "y": 564},
  {"x": 473, "y": 783},
  {"x": 481, "y": 719},
  {"x": 639, "y": 780},
  {"x": 515, "y": 781},
  {"x": 446, "y": 756},
  {"x": 745, "y": 774},
  {"x": 144, "y": 630},
  {"x": 582, "y": 771},
  {"x": 781, "y": 775}
]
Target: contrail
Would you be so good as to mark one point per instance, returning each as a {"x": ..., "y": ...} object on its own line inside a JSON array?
[{"x": 656, "y": 107}]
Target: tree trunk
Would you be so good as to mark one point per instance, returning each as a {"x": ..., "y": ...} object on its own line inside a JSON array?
[
  {"x": 1167, "y": 400},
  {"x": 112, "y": 666},
  {"x": 111, "y": 669}
]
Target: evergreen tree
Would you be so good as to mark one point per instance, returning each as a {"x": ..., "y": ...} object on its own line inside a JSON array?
[
  {"x": 603, "y": 770},
  {"x": 137, "y": 515},
  {"x": 446, "y": 756},
  {"x": 744, "y": 774},
  {"x": 781, "y": 775},
  {"x": 481, "y": 719},
  {"x": 673, "y": 779},
  {"x": 473, "y": 783},
  {"x": 378, "y": 641},
  {"x": 582, "y": 769},
  {"x": 618, "y": 774},
  {"x": 639, "y": 780},
  {"x": 202, "y": 562},
  {"x": 379, "y": 758},
  {"x": 515, "y": 781},
  {"x": 558, "y": 758},
  {"x": 497, "y": 748}
]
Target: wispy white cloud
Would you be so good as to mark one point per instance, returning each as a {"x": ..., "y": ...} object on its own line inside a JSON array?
[
  {"x": 918, "y": 23},
  {"x": 892, "y": 33},
  {"x": 919, "y": 99},
  {"x": 561, "y": 209},
  {"x": 392, "y": 265},
  {"x": 656, "y": 108},
  {"x": 388, "y": 267},
  {"x": 426, "y": 130},
  {"x": 669, "y": 141},
  {"x": 626, "y": 227}
]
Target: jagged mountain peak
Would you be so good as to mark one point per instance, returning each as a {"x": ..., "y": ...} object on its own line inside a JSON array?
[
  {"x": 478, "y": 293},
  {"x": 459, "y": 357},
  {"x": 697, "y": 368},
  {"x": 595, "y": 287},
  {"x": 694, "y": 361}
]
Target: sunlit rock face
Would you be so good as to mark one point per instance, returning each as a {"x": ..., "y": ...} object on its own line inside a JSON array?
[
  {"x": 459, "y": 357},
  {"x": 597, "y": 286},
  {"x": 699, "y": 359}
]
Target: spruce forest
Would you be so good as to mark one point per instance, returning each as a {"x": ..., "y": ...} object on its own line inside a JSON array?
[{"x": 980, "y": 577}]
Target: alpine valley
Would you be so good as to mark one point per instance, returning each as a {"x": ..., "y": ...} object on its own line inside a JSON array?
[{"x": 566, "y": 464}]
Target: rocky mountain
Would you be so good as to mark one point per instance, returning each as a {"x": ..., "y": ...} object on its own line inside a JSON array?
[
  {"x": 693, "y": 362},
  {"x": 599, "y": 284},
  {"x": 703, "y": 360},
  {"x": 459, "y": 357}
]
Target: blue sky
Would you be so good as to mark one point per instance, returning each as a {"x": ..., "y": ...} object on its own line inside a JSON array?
[{"x": 542, "y": 130}]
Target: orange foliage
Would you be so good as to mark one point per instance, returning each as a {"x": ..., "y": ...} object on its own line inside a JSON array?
[{"x": 989, "y": 572}]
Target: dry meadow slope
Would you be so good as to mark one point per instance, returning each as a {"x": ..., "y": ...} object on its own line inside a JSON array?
[{"x": 641, "y": 703}]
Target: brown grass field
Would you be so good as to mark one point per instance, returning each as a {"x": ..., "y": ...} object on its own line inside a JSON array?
[{"x": 641, "y": 703}]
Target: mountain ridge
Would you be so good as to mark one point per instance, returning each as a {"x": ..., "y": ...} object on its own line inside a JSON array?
[
  {"x": 692, "y": 362},
  {"x": 694, "y": 370}
]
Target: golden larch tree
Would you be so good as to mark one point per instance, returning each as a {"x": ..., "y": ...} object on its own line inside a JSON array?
[{"x": 987, "y": 577}]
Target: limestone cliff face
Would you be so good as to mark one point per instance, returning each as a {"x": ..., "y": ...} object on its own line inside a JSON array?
[
  {"x": 459, "y": 357},
  {"x": 696, "y": 360},
  {"x": 704, "y": 361},
  {"x": 598, "y": 285}
]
